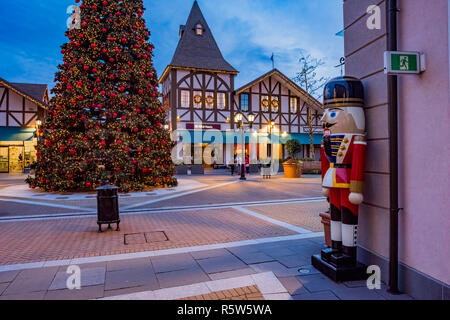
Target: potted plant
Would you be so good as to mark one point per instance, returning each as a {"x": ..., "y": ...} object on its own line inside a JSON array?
[{"x": 293, "y": 167}]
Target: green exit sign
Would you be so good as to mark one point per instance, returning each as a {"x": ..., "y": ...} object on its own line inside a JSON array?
[{"x": 396, "y": 62}]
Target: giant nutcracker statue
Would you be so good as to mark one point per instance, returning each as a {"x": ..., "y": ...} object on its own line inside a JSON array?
[{"x": 343, "y": 164}]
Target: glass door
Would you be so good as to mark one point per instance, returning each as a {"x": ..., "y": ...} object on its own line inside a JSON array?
[
  {"x": 16, "y": 159},
  {"x": 4, "y": 160}
]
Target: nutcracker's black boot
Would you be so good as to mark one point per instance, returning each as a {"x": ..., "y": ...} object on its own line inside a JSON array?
[
  {"x": 336, "y": 237},
  {"x": 347, "y": 257}
]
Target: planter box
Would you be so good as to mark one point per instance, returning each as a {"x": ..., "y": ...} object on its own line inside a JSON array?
[
  {"x": 197, "y": 169},
  {"x": 181, "y": 170},
  {"x": 326, "y": 221},
  {"x": 254, "y": 168},
  {"x": 312, "y": 167}
]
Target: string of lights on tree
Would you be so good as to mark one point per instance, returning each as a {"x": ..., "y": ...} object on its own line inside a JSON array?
[{"x": 105, "y": 123}]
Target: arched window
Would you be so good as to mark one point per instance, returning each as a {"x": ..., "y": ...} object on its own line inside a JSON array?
[{"x": 199, "y": 29}]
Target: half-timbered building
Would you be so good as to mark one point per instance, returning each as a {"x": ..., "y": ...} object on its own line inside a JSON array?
[
  {"x": 22, "y": 108},
  {"x": 198, "y": 88}
]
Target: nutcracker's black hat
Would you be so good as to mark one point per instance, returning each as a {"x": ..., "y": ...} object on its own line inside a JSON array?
[{"x": 343, "y": 92}]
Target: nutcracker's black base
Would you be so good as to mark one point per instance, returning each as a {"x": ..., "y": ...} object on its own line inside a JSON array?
[
  {"x": 342, "y": 273},
  {"x": 109, "y": 225}
]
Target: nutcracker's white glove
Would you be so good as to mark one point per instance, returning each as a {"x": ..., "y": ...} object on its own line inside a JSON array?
[
  {"x": 356, "y": 198},
  {"x": 326, "y": 192}
]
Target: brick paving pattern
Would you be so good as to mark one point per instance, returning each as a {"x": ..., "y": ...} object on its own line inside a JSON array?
[
  {"x": 304, "y": 215},
  {"x": 244, "y": 293},
  {"x": 32, "y": 241}
]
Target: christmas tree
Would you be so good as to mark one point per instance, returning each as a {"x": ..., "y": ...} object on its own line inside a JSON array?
[{"x": 105, "y": 123}]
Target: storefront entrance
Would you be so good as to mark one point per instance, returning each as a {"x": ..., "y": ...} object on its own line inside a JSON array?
[
  {"x": 4, "y": 159},
  {"x": 12, "y": 159},
  {"x": 16, "y": 159}
]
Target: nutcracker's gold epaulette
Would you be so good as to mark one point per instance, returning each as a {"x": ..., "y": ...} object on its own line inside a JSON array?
[{"x": 360, "y": 138}]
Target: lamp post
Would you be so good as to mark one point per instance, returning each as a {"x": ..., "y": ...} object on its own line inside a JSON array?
[
  {"x": 239, "y": 119},
  {"x": 38, "y": 125},
  {"x": 270, "y": 126}
]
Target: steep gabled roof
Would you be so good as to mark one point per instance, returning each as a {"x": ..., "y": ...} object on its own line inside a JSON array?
[
  {"x": 198, "y": 51},
  {"x": 287, "y": 83},
  {"x": 37, "y": 91},
  {"x": 33, "y": 92}
]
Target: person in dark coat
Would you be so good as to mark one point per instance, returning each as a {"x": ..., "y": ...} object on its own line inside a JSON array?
[{"x": 233, "y": 165}]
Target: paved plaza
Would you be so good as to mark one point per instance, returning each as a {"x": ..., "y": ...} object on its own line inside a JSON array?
[{"x": 212, "y": 238}]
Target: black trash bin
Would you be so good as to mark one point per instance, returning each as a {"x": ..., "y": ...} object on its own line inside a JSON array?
[{"x": 108, "y": 206}]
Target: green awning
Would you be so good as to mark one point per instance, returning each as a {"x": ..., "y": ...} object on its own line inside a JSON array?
[
  {"x": 236, "y": 137},
  {"x": 16, "y": 134},
  {"x": 303, "y": 138}
]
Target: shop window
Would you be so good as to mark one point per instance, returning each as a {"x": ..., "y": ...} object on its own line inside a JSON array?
[
  {"x": 293, "y": 105},
  {"x": 265, "y": 103},
  {"x": 244, "y": 102},
  {"x": 185, "y": 98},
  {"x": 221, "y": 100},
  {"x": 209, "y": 100},
  {"x": 198, "y": 99},
  {"x": 275, "y": 103}
]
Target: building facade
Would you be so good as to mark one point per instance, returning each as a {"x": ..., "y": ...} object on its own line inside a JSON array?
[
  {"x": 198, "y": 88},
  {"x": 22, "y": 109},
  {"x": 423, "y": 118}
]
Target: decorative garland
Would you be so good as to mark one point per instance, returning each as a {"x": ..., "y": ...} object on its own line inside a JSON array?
[
  {"x": 275, "y": 104},
  {"x": 198, "y": 99},
  {"x": 210, "y": 100}
]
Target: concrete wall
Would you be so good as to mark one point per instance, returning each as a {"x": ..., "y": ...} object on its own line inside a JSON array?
[{"x": 423, "y": 130}]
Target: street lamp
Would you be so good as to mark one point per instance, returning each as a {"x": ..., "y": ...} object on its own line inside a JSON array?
[
  {"x": 38, "y": 125},
  {"x": 270, "y": 127},
  {"x": 239, "y": 119}
]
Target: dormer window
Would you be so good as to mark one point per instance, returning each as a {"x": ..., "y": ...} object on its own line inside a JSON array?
[{"x": 199, "y": 29}]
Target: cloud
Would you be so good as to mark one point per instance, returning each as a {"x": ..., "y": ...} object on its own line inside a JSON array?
[
  {"x": 247, "y": 32},
  {"x": 245, "y": 27}
]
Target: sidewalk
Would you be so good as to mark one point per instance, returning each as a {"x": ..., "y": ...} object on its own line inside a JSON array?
[{"x": 273, "y": 270}]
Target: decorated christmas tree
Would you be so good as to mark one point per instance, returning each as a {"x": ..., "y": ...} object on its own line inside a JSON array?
[{"x": 105, "y": 123}]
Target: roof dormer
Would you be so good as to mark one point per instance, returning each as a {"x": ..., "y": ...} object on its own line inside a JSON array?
[{"x": 199, "y": 29}]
